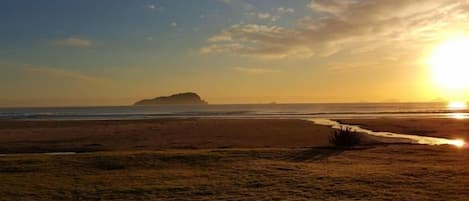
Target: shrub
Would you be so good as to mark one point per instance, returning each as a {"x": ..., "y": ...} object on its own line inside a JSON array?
[{"x": 345, "y": 137}]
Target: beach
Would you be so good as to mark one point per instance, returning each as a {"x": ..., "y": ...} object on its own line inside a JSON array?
[
  {"x": 124, "y": 135},
  {"x": 220, "y": 159}
]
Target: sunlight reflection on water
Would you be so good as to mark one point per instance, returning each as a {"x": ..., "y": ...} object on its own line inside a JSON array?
[
  {"x": 458, "y": 115},
  {"x": 393, "y": 137}
]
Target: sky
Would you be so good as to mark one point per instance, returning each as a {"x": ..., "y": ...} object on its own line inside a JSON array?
[{"x": 115, "y": 52}]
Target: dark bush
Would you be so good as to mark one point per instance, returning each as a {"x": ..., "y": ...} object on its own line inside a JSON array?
[{"x": 345, "y": 137}]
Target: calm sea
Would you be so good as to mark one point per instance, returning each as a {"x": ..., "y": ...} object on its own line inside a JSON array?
[{"x": 331, "y": 110}]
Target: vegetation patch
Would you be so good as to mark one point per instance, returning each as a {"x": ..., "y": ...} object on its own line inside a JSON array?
[{"x": 345, "y": 138}]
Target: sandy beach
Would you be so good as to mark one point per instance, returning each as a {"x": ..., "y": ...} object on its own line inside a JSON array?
[
  {"x": 225, "y": 159},
  {"x": 83, "y": 136},
  {"x": 125, "y": 135}
]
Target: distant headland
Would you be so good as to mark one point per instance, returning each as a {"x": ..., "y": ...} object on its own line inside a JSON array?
[{"x": 188, "y": 98}]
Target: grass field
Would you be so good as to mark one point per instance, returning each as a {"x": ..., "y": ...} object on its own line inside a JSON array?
[{"x": 395, "y": 172}]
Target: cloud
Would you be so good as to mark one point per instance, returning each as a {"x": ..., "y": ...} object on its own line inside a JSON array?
[
  {"x": 154, "y": 7},
  {"x": 73, "y": 42},
  {"x": 275, "y": 15},
  {"x": 253, "y": 39},
  {"x": 283, "y": 10},
  {"x": 60, "y": 73},
  {"x": 239, "y": 4},
  {"x": 347, "y": 26},
  {"x": 264, "y": 15},
  {"x": 334, "y": 7},
  {"x": 256, "y": 70}
]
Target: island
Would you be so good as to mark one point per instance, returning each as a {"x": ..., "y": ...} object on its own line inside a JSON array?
[{"x": 188, "y": 98}]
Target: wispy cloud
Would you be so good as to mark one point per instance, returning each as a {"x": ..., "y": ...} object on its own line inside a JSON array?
[
  {"x": 256, "y": 70},
  {"x": 60, "y": 73},
  {"x": 73, "y": 42},
  {"x": 334, "y": 7},
  {"x": 283, "y": 10},
  {"x": 344, "y": 26},
  {"x": 257, "y": 40},
  {"x": 239, "y": 4},
  {"x": 274, "y": 15},
  {"x": 264, "y": 15},
  {"x": 154, "y": 7}
]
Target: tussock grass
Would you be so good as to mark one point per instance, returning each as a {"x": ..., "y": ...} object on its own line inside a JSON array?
[{"x": 345, "y": 138}]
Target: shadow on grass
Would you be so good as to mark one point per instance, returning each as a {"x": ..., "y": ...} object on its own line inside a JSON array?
[
  {"x": 109, "y": 163},
  {"x": 18, "y": 169},
  {"x": 321, "y": 153},
  {"x": 315, "y": 154}
]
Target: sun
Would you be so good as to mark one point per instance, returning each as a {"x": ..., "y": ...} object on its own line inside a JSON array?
[{"x": 450, "y": 63}]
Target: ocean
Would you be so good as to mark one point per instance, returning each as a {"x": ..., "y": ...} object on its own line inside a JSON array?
[{"x": 300, "y": 111}]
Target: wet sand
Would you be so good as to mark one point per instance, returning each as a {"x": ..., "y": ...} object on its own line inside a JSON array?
[
  {"x": 109, "y": 135},
  {"x": 84, "y": 136}
]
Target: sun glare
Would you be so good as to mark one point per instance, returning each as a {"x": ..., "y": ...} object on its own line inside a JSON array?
[
  {"x": 457, "y": 105},
  {"x": 457, "y": 115},
  {"x": 458, "y": 143},
  {"x": 450, "y": 63}
]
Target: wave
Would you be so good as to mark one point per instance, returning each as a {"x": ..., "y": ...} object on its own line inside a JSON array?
[
  {"x": 356, "y": 110},
  {"x": 233, "y": 114}
]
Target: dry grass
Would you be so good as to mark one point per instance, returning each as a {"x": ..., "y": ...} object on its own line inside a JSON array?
[
  {"x": 345, "y": 138},
  {"x": 399, "y": 172}
]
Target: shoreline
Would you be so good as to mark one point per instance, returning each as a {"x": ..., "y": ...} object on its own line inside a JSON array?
[
  {"x": 19, "y": 136},
  {"x": 335, "y": 116}
]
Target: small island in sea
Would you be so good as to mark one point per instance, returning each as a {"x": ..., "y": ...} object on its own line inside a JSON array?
[{"x": 188, "y": 98}]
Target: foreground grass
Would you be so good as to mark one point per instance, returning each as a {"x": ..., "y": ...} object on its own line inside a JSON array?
[{"x": 399, "y": 172}]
